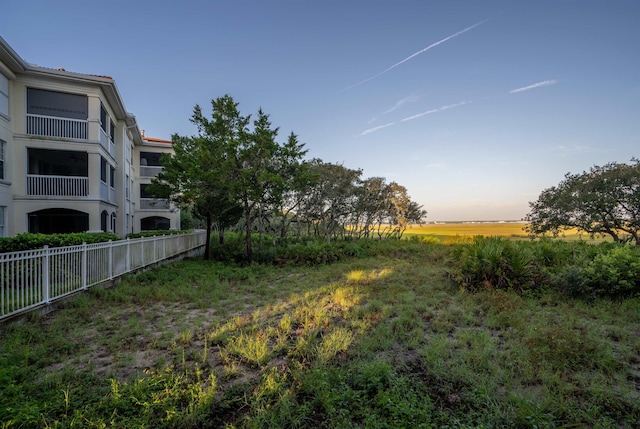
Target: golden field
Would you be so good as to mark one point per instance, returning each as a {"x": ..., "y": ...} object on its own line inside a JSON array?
[{"x": 452, "y": 232}]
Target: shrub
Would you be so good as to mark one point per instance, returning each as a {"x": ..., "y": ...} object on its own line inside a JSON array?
[
  {"x": 572, "y": 268},
  {"x": 615, "y": 272},
  {"x": 159, "y": 232},
  {"x": 30, "y": 241},
  {"x": 497, "y": 262}
]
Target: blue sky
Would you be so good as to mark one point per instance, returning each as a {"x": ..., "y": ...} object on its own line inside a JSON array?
[{"x": 474, "y": 106}]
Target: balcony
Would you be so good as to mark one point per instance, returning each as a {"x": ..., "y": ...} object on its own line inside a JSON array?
[
  {"x": 154, "y": 204},
  {"x": 149, "y": 171},
  {"x": 50, "y": 126},
  {"x": 58, "y": 186}
]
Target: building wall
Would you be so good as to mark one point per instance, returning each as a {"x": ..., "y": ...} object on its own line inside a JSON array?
[
  {"x": 93, "y": 204},
  {"x": 173, "y": 214},
  {"x": 6, "y": 197},
  {"x": 121, "y": 202}
]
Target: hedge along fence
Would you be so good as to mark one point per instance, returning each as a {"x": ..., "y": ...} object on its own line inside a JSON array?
[{"x": 35, "y": 278}]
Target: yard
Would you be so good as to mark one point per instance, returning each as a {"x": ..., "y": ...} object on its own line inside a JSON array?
[{"x": 386, "y": 340}]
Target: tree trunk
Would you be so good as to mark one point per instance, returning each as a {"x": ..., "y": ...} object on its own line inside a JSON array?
[
  {"x": 247, "y": 238},
  {"x": 207, "y": 241},
  {"x": 220, "y": 234}
]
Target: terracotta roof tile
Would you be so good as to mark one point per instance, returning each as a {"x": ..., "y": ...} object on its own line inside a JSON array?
[
  {"x": 152, "y": 139},
  {"x": 68, "y": 71}
]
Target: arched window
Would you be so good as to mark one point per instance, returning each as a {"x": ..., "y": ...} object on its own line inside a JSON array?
[
  {"x": 103, "y": 220},
  {"x": 58, "y": 221},
  {"x": 113, "y": 222},
  {"x": 152, "y": 223}
]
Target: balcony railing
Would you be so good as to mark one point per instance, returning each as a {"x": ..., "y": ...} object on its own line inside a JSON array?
[
  {"x": 153, "y": 204},
  {"x": 59, "y": 186},
  {"x": 50, "y": 126},
  {"x": 149, "y": 171}
]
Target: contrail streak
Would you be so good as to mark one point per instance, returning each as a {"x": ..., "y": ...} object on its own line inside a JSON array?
[
  {"x": 374, "y": 129},
  {"x": 439, "y": 109},
  {"x": 535, "y": 85},
  {"x": 433, "y": 45}
]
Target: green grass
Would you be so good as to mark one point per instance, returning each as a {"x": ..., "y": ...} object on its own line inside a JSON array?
[{"x": 376, "y": 342}]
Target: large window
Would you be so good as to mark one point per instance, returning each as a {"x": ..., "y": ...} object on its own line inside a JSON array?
[
  {"x": 3, "y": 145},
  {"x": 144, "y": 193},
  {"x": 58, "y": 221},
  {"x": 151, "y": 159},
  {"x": 58, "y": 104},
  {"x": 58, "y": 162},
  {"x": 153, "y": 223},
  {"x": 4, "y": 95}
]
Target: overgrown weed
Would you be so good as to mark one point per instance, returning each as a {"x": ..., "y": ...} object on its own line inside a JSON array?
[{"x": 384, "y": 340}]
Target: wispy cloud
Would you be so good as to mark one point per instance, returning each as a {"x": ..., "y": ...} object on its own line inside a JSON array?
[
  {"x": 406, "y": 100},
  {"x": 534, "y": 86},
  {"x": 433, "y": 45},
  {"x": 374, "y": 129},
  {"x": 439, "y": 109}
]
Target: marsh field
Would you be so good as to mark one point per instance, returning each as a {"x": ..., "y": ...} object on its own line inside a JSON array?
[
  {"x": 451, "y": 232},
  {"x": 384, "y": 338}
]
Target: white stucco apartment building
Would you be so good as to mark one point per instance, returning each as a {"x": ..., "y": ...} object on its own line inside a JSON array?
[{"x": 72, "y": 158}]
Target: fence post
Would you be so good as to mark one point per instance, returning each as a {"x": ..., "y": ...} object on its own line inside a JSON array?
[
  {"x": 155, "y": 258},
  {"x": 128, "y": 262},
  {"x": 110, "y": 260},
  {"x": 45, "y": 276},
  {"x": 84, "y": 265}
]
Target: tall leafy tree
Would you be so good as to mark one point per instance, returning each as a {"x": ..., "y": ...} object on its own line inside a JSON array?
[
  {"x": 602, "y": 201},
  {"x": 228, "y": 169},
  {"x": 199, "y": 173}
]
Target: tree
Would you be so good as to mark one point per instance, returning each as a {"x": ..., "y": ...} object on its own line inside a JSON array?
[
  {"x": 602, "y": 201},
  {"x": 227, "y": 170},
  {"x": 331, "y": 200}
]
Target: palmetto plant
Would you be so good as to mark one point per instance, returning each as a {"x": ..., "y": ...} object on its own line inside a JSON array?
[{"x": 496, "y": 262}]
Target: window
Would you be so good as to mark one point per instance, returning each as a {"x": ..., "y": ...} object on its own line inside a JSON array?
[
  {"x": 103, "y": 118},
  {"x": 3, "y": 145},
  {"x": 103, "y": 169},
  {"x": 57, "y": 220},
  {"x": 2, "y": 221},
  {"x": 154, "y": 223},
  {"x": 57, "y": 104},
  {"x": 126, "y": 187},
  {"x": 150, "y": 159},
  {"x": 112, "y": 131},
  {"x": 4, "y": 95},
  {"x": 144, "y": 193},
  {"x": 103, "y": 220},
  {"x": 58, "y": 162},
  {"x": 113, "y": 222},
  {"x": 112, "y": 177}
]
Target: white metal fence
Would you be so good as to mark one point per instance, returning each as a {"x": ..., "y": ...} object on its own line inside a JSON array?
[{"x": 34, "y": 278}]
